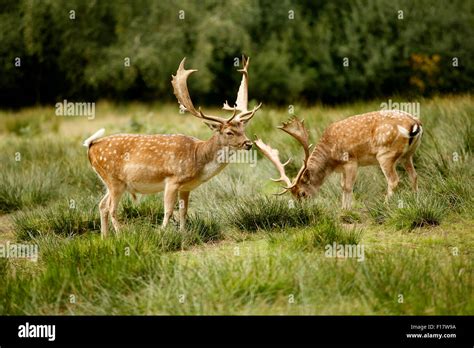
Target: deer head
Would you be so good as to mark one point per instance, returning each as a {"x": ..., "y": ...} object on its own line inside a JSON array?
[
  {"x": 230, "y": 131},
  {"x": 301, "y": 186}
]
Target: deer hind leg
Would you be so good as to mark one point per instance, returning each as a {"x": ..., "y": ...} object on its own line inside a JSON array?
[
  {"x": 388, "y": 167},
  {"x": 116, "y": 192},
  {"x": 183, "y": 208},
  {"x": 171, "y": 193},
  {"x": 348, "y": 179},
  {"x": 408, "y": 164},
  {"x": 104, "y": 215}
]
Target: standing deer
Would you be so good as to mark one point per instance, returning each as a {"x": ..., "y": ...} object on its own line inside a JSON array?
[
  {"x": 381, "y": 137},
  {"x": 175, "y": 164}
]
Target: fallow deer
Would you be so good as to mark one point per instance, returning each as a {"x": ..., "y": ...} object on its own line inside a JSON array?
[
  {"x": 175, "y": 164},
  {"x": 382, "y": 137}
]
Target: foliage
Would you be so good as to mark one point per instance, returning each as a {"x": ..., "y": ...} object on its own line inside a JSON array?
[{"x": 77, "y": 49}]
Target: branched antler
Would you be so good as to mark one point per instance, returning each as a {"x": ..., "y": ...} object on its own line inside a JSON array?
[
  {"x": 180, "y": 88},
  {"x": 296, "y": 129},
  {"x": 273, "y": 156},
  {"x": 241, "y": 104}
]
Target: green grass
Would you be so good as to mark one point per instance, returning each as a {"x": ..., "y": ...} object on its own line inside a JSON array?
[
  {"x": 244, "y": 251},
  {"x": 252, "y": 214}
]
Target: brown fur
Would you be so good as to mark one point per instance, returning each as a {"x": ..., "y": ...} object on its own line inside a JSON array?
[{"x": 362, "y": 140}]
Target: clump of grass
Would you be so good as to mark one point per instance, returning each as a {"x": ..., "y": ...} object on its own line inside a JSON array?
[
  {"x": 252, "y": 214},
  {"x": 149, "y": 208},
  {"x": 326, "y": 231},
  {"x": 456, "y": 192},
  {"x": 378, "y": 211},
  {"x": 417, "y": 212},
  {"x": 203, "y": 228},
  {"x": 350, "y": 217},
  {"x": 58, "y": 219},
  {"x": 409, "y": 211}
]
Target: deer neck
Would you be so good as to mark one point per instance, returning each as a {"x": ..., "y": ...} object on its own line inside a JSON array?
[
  {"x": 207, "y": 154},
  {"x": 319, "y": 165}
]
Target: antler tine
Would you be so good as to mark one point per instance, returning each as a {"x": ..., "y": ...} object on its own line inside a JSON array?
[
  {"x": 227, "y": 107},
  {"x": 242, "y": 94},
  {"x": 180, "y": 89},
  {"x": 249, "y": 114},
  {"x": 297, "y": 130},
  {"x": 272, "y": 155},
  {"x": 234, "y": 113}
]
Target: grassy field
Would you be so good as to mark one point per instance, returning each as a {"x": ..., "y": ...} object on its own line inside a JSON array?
[{"x": 245, "y": 251}]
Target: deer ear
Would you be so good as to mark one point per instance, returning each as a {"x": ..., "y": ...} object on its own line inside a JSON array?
[{"x": 214, "y": 126}]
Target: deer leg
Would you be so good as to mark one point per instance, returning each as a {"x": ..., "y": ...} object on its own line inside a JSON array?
[
  {"x": 388, "y": 169},
  {"x": 171, "y": 192},
  {"x": 183, "y": 208},
  {"x": 115, "y": 194},
  {"x": 348, "y": 178},
  {"x": 104, "y": 215},
  {"x": 343, "y": 181},
  {"x": 408, "y": 164}
]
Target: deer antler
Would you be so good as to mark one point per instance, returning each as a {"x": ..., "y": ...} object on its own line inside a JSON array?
[
  {"x": 296, "y": 129},
  {"x": 241, "y": 104},
  {"x": 181, "y": 92},
  {"x": 273, "y": 156}
]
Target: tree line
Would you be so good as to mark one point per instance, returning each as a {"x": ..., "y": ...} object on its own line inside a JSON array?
[{"x": 301, "y": 51}]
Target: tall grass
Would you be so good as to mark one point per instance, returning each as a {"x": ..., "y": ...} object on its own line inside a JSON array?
[{"x": 278, "y": 252}]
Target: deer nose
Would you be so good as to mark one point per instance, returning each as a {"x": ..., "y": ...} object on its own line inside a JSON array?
[{"x": 248, "y": 145}]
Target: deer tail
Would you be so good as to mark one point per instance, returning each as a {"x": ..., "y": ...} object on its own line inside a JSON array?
[{"x": 93, "y": 137}]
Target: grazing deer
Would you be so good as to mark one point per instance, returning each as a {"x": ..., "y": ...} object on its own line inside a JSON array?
[
  {"x": 175, "y": 164},
  {"x": 381, "y": 137}
]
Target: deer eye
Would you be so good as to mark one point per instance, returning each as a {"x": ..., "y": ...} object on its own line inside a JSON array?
[{"x": 229, "y": 133}]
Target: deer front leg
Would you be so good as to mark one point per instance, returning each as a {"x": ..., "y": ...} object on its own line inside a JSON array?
[
  {"x": 171, "y": 193},
  {"x": 183, "y": 208},
  {"x": 388, "y": 169},
  {"x": 347, "y": 181}
]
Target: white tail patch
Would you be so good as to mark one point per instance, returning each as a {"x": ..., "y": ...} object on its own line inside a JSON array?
[
  {"x": 403, "y": 131},
  {"x": 95, "y": 136}
]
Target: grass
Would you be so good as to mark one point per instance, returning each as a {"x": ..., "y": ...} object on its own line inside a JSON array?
[
  {"x": 252, "y": 214},
  {"x": 244, "y": 251}
]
